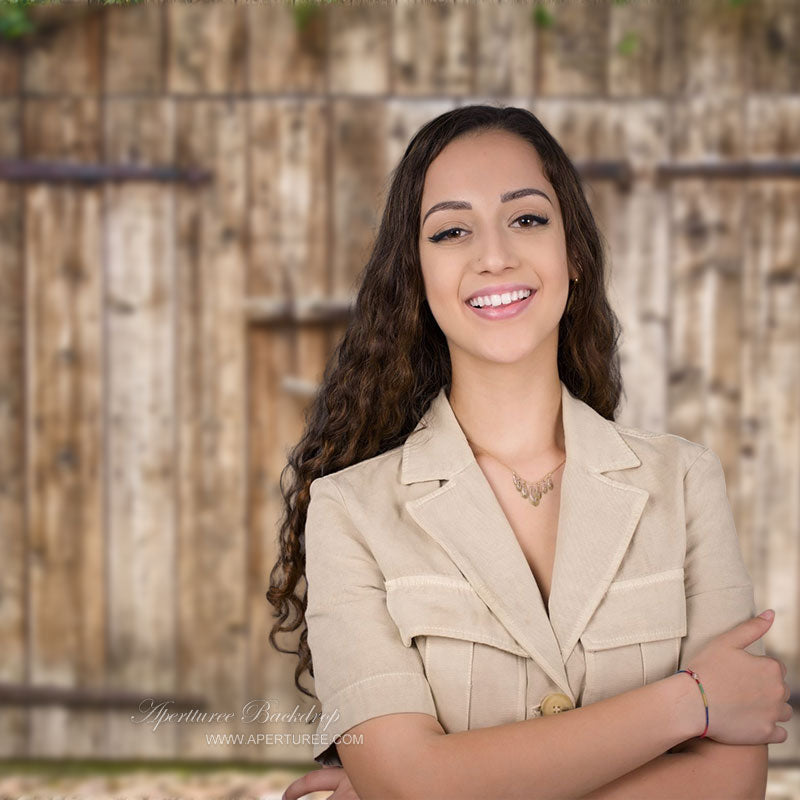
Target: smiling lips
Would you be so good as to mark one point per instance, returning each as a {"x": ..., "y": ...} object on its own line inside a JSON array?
[{"x": 501, "y": 306}]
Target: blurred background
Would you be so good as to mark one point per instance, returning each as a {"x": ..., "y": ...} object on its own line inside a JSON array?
[{"x": 188, "y": 192}]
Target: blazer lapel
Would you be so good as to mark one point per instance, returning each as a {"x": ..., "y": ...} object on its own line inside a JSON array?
[{"x": 597, "y": 518}]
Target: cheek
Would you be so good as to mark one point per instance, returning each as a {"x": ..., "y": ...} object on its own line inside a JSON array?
[{"x": 440, "y": 288}]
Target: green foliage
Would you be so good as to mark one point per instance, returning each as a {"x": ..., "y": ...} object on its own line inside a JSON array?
[
  {"x": 304, "y": 11},
  {"x": 542, "y": 18},
  {"x": 628, "y": 44},
  {"x": 14, "y": 21}
]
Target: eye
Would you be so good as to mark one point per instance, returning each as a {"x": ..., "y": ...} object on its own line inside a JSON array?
[
  {"x": 444, "y": 235},
  {"x": 540, "y": 219}
]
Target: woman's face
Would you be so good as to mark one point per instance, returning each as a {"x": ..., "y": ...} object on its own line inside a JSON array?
[{"x": 494, "y": 243}]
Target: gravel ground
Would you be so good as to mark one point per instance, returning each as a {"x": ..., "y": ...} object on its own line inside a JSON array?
[
  {"x": 784, "y": 784},
  {"x": 152, "y": 785}
]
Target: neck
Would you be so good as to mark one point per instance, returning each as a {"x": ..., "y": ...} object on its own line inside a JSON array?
[{"x": 516, "y": 420}]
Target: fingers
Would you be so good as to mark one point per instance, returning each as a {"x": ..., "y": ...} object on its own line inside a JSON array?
[
  {"x": 319, "y": 780},
  {"x": 780, "y": 735}
]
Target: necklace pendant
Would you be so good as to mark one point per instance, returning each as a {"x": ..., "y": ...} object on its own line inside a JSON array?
[{"x": 533, "y": 491}]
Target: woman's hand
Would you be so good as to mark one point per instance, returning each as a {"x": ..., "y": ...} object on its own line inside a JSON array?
[
  {"x": 747, "y": 694},
  {"x": 320, "y": 780}
]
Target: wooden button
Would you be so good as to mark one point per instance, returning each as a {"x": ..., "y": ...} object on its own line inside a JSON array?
[{"x": 556, "y": 703}]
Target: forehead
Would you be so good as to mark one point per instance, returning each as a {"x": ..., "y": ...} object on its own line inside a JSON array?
[{"x": 489, "y": 162}]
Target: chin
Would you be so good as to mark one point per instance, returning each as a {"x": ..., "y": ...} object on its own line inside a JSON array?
[{"x": 506, "y": 356}]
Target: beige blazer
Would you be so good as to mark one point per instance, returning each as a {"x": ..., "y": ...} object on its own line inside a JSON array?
[{"x": 421, "y": 599}]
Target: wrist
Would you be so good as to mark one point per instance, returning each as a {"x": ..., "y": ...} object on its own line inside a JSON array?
[{"x": 688, "y": 719}]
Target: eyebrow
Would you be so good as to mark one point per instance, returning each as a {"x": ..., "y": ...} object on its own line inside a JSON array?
[{"x": 459, "y": 205}]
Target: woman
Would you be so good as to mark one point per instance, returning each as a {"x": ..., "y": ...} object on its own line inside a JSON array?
[{"x": 484, "y": 547}]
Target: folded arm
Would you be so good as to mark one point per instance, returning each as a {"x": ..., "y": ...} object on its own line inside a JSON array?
[
  {"x": 719, "y": 595},
  {"x": 699, "y": 768}
]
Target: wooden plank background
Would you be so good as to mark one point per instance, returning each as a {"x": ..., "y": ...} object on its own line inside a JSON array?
[{"x": 145, "y": 417}]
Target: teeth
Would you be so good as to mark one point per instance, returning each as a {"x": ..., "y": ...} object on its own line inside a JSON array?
[{"x": 499, "y": 299}]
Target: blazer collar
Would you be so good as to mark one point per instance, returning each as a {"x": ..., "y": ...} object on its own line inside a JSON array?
[{"x": 597, "y": 517}]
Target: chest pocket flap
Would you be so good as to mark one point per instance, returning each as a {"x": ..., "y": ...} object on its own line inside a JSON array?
[
  {"x": 437, "y": 605},
  {"x": 637, "y": 610}
]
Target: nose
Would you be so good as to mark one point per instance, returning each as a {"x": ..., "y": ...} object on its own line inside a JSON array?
[{"x": 494, "y": 251}]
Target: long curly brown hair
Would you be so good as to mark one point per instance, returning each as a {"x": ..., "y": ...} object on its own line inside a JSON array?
[{"x": 393, "y": 358}]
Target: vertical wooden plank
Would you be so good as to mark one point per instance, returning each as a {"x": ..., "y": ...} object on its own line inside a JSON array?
[
  {"x": 359, "y": 38},
  {"x": 270, "y": 674},
  {"x": 134, "y": 46},
  {"x": 572, "y": 50},
  {"x": 358, "y": 128},
  {"x": 64, "y": 426},
  {"x": 206, "y": 49},
  {"x": 635, "y": 223},
  {"x": 140, "y": 332},
  {"x": 289, "y": 212},
  {"x": 722, "y": 335},
  {"x": 212, "y": 540},
  {"x": 287, "y": 47},
  {"x": 773, "y": 43},
  {"x": 707, "y": 126},
  {"x": 708, "y": 54},
  {"x": 64, "y": 58},
  {"x": 707, "y": 215},
  {"x": 580, "y": 126},
  {"x": 404, "y": 117},
  {"x": 773, "y": 126},
  {"x": 505, "y": 49},
  {"x": 707, "y": 218},
  {"x": 13, "y": 540},
  {"x": 432, "y": 49},
  {"x": 637, "y": 45},
  {"x": 10, "y": 67},
  {"x": 289, "y": 217},
  {"x": 685, "y": 365}
]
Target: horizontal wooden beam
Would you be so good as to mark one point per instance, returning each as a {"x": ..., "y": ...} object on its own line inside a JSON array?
[
  {"x": 19, "y": 170},
  {"x": 16, "y": 694},
  {"x": 618, "y": 171},
  {"x": 780, "y": 168},
  {"x": 299, "y": 387},
  {"x": 276, "y": 310}
]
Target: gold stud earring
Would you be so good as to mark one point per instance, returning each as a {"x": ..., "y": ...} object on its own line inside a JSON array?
[{"x": 574, "y": 282}]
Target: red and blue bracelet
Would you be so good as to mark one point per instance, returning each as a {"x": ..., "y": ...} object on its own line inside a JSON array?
[{"x": 694, "y": 675}]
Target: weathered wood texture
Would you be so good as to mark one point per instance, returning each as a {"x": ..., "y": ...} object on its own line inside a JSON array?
[{"x": 146, "y": 414}]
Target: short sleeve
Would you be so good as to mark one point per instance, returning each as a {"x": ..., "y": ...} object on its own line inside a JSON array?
[
  {"x": 719, "y": 591},
  {"x": 362, "y": 669}
]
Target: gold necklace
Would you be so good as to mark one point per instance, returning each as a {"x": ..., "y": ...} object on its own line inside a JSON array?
[{"x": 530, "y": 491}]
